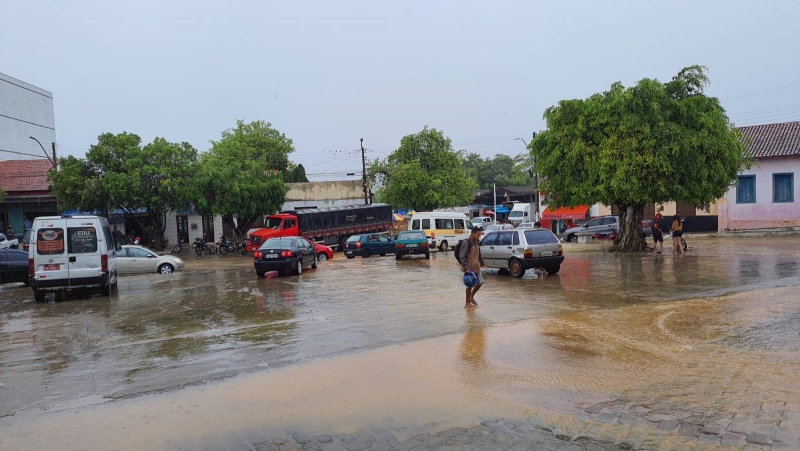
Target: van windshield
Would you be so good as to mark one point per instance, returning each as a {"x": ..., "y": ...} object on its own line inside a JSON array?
[{"x": 515, "y": 214}]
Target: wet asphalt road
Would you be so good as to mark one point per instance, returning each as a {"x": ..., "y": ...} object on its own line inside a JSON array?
[{"x": 216, "y": 319}]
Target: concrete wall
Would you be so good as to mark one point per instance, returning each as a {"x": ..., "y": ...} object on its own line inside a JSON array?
[
  {"x": 25, "y": 110},
  {"x": 763, "y": 214},
  {"x": 320, "y": 191}
]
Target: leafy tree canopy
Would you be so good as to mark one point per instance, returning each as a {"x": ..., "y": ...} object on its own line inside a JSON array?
[
  {"x": 652, "y": 142},
  {"x": 502, "y": 170},
  {"x": 296, "y": 173},
  {"x": 118, "y": 173},
  {"x": 423, "y": 173},
  {"x": 240, "y": 177}
]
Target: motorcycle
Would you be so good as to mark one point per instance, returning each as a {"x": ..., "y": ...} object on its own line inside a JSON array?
[
  {"x": 200, "y": 246},
  {"x": 225, "y": 245},
  {"x": 243, "y": 246}
]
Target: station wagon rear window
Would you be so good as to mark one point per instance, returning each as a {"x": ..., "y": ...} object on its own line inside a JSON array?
[
  {"x": 278, "y": 243},
  {"x": 50, "y": 241},
  {"x": 540, "y": 237},
  {"x": 82, "y": 240}
]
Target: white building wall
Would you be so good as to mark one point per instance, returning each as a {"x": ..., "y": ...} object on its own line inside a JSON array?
[
  {"x": 195, "y": 227},
  {"x": 25, "y": 111}
]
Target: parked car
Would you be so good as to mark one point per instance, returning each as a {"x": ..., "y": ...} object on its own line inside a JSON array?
[
  {"x": 26, "y": 240},
  {"x": 647, "y": 226},
  {"x": 520, "y": 250},
  {"x": 525, "y": 225},
  {"x": 368, "y": 244},
  {"x": 482, "y": 221},
  {"x": 288, "y": 253},
  {"x": 323, "y": 252},
  {"x": 133, "y": 259},
  {"x": 410, "y": 243},
  {"x": 603, "y": 225},
  {"x": 5, "y": 243},
  {"x": 13, "y": 266}
]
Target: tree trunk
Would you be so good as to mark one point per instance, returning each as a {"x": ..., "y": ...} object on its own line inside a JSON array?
[
  {"x": 630, "y": 238},
  {"x": 239, "y": 226}
]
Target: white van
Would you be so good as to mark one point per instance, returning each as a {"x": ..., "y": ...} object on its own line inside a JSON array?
[
  {"x": 71, "y": 252},
  {"x": 444, "y": 228}
]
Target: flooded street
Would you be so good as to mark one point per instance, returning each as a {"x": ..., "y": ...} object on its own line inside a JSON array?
[{"x": 698, "y": 351}]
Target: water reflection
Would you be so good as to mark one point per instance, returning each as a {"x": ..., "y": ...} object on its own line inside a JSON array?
[
  {"x": 786, "y": 269},
  {"x": 473, "y": 345},
  {"x": 749, "y": 269}
]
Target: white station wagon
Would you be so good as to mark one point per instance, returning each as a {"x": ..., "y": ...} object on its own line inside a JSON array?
[{"x": 519, "y": 250}]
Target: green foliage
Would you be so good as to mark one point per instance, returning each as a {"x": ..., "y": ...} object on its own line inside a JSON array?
[
  {"x": 650, "y": 143},
  {"x": 2, "y": 194},
  {"x": 240, "y": 177},
  {"x": 296, "y": 173},
  {"x": 502, "y": 170},
  {"x": 423, "y": 173},
  {"x": 118, "y": 173}
]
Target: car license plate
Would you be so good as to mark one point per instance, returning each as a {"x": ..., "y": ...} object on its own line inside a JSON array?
[
  {"x": 349, "y": 252},
  {"x": 546, "y": 254},
  {"x": 52, "y": 267},
  {"x": 272, "y": 255},
  {"x": 413, "y": 245}
]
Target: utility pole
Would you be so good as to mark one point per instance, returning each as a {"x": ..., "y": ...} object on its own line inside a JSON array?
[
  {"x": 367, "y": 199},
  {"x": 52, "y": 161},
  {"x": 55, "y": 160},
  {"x": 536, "y": 184}
]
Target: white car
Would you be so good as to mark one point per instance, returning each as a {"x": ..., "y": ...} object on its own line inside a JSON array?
[
  {"x": 134, "y": 259},
  {"x": 6, "y": 243},
  {"x": 495, "y": 227}
]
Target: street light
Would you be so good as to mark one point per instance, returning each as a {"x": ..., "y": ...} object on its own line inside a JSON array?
[{"x": 45, "y": 152}]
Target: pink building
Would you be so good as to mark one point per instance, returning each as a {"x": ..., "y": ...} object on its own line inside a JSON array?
[{"x": 766, "y": 195}]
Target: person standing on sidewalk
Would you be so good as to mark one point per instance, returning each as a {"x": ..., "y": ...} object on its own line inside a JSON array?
[
  {"x": 471, "y": 260},
  {"x": 677, "y": 233}
]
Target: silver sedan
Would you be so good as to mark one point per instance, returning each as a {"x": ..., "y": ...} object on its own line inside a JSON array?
[{"x": 134, "y": 259}]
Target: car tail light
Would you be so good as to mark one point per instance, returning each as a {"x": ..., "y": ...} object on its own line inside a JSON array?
[
  {"x": 31, "y": 268},
  {"x": 286, "y": 254},
  {"x": 358, "y": 244},
  {"x": 644, "y": 223},
  {"x": 528, "y": 253},
  {"x": 400, "y": 245},
  {"x": 560, "y": 250},
  {"x": 423, "y": 244},
  {"x": 104, "y": 263},
  {"x": 258, "y": 255}
]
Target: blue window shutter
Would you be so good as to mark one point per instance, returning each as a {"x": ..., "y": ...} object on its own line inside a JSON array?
[
  {"x": 783, "y": 187},
  {"x": 746, "y": 189}
]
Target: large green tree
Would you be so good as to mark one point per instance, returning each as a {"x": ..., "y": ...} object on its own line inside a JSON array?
[
  {"x": 119, "y": 174},
  {"x": 241, "y": 177},
  {"x": 650, "y": 143},
  {"x": 502, "y": 170},
  {"x": 423, "y": 173}
]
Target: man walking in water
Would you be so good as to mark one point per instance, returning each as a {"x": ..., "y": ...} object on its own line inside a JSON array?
[{"x": 471, "y": 260}]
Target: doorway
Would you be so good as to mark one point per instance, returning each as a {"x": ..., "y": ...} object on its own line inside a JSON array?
[{"x": 182, "y": 221}]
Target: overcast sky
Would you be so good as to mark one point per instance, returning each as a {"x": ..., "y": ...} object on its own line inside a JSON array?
[{"x": 327, "y": 73}]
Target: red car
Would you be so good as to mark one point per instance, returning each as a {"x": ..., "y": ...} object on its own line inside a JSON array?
[{"x": 323, "y": 251}]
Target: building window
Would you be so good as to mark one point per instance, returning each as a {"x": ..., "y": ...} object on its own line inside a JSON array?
[
  {"x": 746, "y": 189},
  {"x": 783, "y": 187}
]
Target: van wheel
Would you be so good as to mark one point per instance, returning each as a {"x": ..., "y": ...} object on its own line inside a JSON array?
[
  {"x": 106, "y": 290},
  {"x": 427, "y": 255},
  {"x": 443, "y": 246},
  {"x": 553, "y": 269},
  {"x": 38, "y": 295},
  {"x": 572, "y": 239},
  {"x": 397, "y": 256},
  {"x": 165, "y": 269},
  {"x": 516, "y": 269}
]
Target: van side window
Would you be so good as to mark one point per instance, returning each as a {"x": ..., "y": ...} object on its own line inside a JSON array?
[
  {"x": 460, "y": 225},
  {"x": 50, "y": 241},
  {"x": 444, "y": 223},
  {"x": 110, "y": 244},
  {"x": 415, "y": 224},
  {"x": 426, "y": 224},
  {"x": 82, "y": 240}
]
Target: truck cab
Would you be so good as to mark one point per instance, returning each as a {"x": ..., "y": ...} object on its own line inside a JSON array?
[
  {"x": 282, "y": 224},
  {"x": 521, "y": 213}
]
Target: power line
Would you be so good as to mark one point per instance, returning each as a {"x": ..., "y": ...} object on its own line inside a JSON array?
[
  {"x": 22, "y": 153},
  {"x": 761, "y": 92}
]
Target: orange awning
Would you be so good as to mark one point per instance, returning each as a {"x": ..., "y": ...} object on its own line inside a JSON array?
[{"x": 579, "y": 212}]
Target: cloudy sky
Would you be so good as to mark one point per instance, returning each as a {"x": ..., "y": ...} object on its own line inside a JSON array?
[{"x": 327, "y": 73}]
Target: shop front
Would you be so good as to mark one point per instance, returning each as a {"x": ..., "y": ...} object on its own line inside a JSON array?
[{"x": 560, "y": 219}]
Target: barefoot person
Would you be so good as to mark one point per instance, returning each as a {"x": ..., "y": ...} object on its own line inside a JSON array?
[
  {"x": 677, "y": 233},
  {"x": 658, "y": 236},
  {"x": 471, "y": 260}
]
